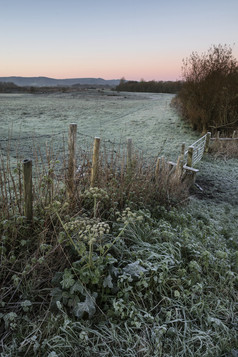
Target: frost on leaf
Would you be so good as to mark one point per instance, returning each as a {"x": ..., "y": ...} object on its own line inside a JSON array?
[
  {"x": 107, "y": 282},
  {"x": 88, "y": 307},
  {"x": 68, "y": 279},
  {"x": 134, "y": 269}
]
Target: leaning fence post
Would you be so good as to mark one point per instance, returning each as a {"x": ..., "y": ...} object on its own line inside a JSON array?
[
  {"x": 208, "y": 137},
  {"x": 94, "y": 171},
  {"x": 190, "y": 156},
  {"x": 28, "y": 197},
  {"x": 72, "y": 158},
  {"x": 129, "y": 154}
]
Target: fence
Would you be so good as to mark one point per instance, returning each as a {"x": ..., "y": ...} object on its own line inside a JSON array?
[
  {"x": 232, "y": 139},
  {"x": 120, "y": 161},
  {"x": 195, "y": 152}
]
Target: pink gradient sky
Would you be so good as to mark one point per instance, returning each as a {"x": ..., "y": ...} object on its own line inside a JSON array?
[{"x": 111, "y": 39}]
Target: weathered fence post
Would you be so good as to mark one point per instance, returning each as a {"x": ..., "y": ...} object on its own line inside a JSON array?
[
  {"x": 157, "y": 168},
  {"x": 129, "y": 155},
  {"x": 72, "y": 159},
  {"x": 218, "y": 135},
  {"x": 183, "y": 149},
  {"x": 208, "y": 137},
  {"x": 179, "y": 166},
  {"x": 234, "y": 134},
  {"x": 94, "y": 171},
  {"x": 182, "y": 154},
  {"x": 190, "y": 156},
  {"x": 163, "y": 165},
  {"x": 28, "y": 197}
]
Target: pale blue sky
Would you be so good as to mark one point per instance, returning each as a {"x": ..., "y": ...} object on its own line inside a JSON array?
[{"x": 110, "y": 39}]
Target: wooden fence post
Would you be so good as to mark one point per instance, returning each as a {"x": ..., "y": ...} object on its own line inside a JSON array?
[
  {"x": 94, "y": 171},
  {"x": 190, "y": 156},
  {"x": 28, "y": 197},
  {"x": 183, "y": 149},
  {"x": 182, "y": 155},
  {"x": 234, "y": 134},
  {"x": 129, "y": 155},
  {"x": 72, "y": 159},
  {"x": 157, "y": 168},
  {"x": 208, "y": 137},
  {"x": 163, "y": 165},
  {"x": 179, "y": 166}
]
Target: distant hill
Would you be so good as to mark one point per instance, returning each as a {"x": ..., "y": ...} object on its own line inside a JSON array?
[{"x": 47, "y": 82}]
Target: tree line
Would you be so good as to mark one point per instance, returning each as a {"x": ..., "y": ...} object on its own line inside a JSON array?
[
  {"x": 150, "y": 86},
  {"x": 9, "y": 87}
]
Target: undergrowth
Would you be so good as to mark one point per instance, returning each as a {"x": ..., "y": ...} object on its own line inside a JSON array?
[
  {"x": 117, "y": 271},
  {"x": 143, "y": 285}
]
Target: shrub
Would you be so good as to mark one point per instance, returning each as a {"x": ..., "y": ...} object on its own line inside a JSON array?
[{"x": 208, "y": 98}]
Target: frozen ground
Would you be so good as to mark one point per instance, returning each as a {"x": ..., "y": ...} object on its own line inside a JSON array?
[{"x": 147, "y": 118}]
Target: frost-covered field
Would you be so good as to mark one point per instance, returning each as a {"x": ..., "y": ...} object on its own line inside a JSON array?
[{"x": 147, "y": 118}]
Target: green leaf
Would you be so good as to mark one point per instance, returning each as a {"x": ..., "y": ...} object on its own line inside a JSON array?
[
  {"x": 134, "y": 269},
  {"x": 68, "y": 279},
  {"x": 56, "y": 294},
  {"x": 77, "y": 287},
  {"x": 107, "y": 282},
  {"x": 57, "y": 278},
  {"x": 88, "y": 307}
]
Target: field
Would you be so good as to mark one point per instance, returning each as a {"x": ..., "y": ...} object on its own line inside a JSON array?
[
  {"x": 147, "y": 118},
  {"x": 167, "y": 275}
]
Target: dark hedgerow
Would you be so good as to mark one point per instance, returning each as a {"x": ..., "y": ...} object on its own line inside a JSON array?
[{"x": 208, "y": 98}]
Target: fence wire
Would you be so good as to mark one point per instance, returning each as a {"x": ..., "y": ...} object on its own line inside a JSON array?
[{"x": 48, "y": 148}]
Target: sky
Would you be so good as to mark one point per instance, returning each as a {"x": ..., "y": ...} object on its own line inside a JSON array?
[{"x": 111, "y": 39}]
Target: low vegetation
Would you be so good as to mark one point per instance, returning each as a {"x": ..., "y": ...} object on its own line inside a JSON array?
[{"x": 118, "y": 270}]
